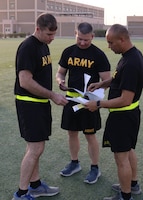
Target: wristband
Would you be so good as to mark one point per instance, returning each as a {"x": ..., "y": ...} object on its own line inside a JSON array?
[{"x": 98, "y": 104}]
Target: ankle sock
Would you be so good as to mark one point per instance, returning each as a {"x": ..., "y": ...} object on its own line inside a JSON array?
[
  {"x": 94, "y": 166},
  {"x": 35, "y": 184},
  {"x": 21, "y": 192},
  {"x": 75, "y": 161},
  {"x": 126, "y": 196},
  {"x": 133, "y": 183}
]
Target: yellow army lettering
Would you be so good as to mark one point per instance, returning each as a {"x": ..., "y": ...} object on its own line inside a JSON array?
[
  {"x": 114, "y": 74},
  {"x": 46, "y": 60},
  {"x": 89, "y": 130},
  {"x": 80, "y": 62}
]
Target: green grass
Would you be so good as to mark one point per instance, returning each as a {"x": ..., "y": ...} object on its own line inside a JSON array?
[{"x": 56, "y": 153}]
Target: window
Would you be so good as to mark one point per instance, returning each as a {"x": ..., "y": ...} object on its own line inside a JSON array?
[{"x": 12, "y": 6}]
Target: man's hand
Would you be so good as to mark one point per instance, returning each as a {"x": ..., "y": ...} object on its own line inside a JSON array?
[
  {"x": 91, "y": 106},
  {"x": 62, "y": 86},
  {"x": 93, "y": 86},
  {"x": 59, "y": 99}
]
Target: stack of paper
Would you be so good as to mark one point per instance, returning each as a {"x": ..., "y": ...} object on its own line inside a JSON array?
[{"x": 96, "y": 95}]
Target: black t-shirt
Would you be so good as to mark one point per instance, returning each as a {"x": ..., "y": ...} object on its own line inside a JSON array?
[
  {"x": 34, "y": 56},
  {"x": 79, "y": 61},
  {"x": 128, "y": 75}
]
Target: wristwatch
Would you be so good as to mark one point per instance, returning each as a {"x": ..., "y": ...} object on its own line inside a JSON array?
[{"x": 98, "y": 104}]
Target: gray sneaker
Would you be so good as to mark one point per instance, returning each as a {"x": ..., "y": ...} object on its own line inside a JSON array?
[
  {"x": 70, "y": 169},
  {"x": 93, "y": 175},
  {"x": 134, "y": 190},
  {"x": 23, "y": 197},
  {"x": 43, "y": 190},
  {"x": 117, "y": 197}
]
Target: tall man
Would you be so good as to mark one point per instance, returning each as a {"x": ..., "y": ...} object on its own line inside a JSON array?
[
  {"x": 123, "y": 122},
  {"x": 33, "y": 90},
  {"x": 77, "y": 60}
]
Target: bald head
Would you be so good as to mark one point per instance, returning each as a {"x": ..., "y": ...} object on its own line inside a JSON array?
[
  {"x": 118, "y": 30},
  {"x": 118, "y": 38}
]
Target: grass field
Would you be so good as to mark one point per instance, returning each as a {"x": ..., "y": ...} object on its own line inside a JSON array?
[{"x": 56, "y": 153}]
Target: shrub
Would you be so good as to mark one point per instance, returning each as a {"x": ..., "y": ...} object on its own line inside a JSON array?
[{"x": 100, "y": 33}]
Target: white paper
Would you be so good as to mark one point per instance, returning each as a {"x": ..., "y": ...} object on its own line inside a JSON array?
[
  {"x": 77, "y": 107},
  {"x": 96, "y": 95},
  {"x": 86, "y": 80}
]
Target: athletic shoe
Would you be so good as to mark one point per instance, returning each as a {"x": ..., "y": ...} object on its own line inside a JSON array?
[
  {"x": 93, "y": 175},
  {"x": 23, "y": 197},
  {"x": 43, "y": 190},
  {"x": 70, "y": 169},
  {"x": 117, "y": 197},
  {"x": 134, "y": 190}
]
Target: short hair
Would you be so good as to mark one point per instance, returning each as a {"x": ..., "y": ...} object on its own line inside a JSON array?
[
  {"x": 85, "y": 28},
  {"x": 46, "y": 20},
  {"x": 119, "y": 30}
]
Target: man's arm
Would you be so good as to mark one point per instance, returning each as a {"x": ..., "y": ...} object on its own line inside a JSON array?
[
  {"x": 125, "y": 99},
  {"x": 104, "y": 83},
  {"x": 28, "y": 83},
  {"x": 60, "y": 78}
]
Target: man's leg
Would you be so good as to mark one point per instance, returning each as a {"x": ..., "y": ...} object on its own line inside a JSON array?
[
  {"x": 124, "y": 170},
  {"x": 74, "y": 146},
  {"x": 30, "y": 164},
  {"x": 133, "y": 163},
  {"x": 30, "y": 172},
  {"x": 124, "y": 174},
  {"x": 93, "y": 150}
]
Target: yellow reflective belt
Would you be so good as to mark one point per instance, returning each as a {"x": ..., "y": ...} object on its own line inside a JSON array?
[
  {"x": 73, "y": 94},
  {"x": 26, "y": 98},
  {"x": 130, "y": 107}
]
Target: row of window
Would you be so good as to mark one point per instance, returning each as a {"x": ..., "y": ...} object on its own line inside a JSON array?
[
  {"x": 98, "y": 13},
  {"x": 130, "y": 23},
  {"x": 52, "y": 6}
]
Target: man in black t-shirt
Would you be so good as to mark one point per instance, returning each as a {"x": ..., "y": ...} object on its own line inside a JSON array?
[
  {"x": 33, "y": 92},
  {"x": 122, "y": 125},
  {"x": 77, "y": 60}
]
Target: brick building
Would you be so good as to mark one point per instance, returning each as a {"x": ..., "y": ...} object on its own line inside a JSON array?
[
  {"x": 135, "y": 25},
  {"x": 18, "y": 16}
]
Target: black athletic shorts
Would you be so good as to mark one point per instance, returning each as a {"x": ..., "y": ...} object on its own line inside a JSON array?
[
  {"x": 81, "y": 120},
  {"x": 34, "y": 120},
  {"x": 121, "y": 130}
]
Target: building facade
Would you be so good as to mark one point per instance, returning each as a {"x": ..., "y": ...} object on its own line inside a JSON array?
[
  {"x": 135, "y": 25},
  {"x": 18, "y": 16}
]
